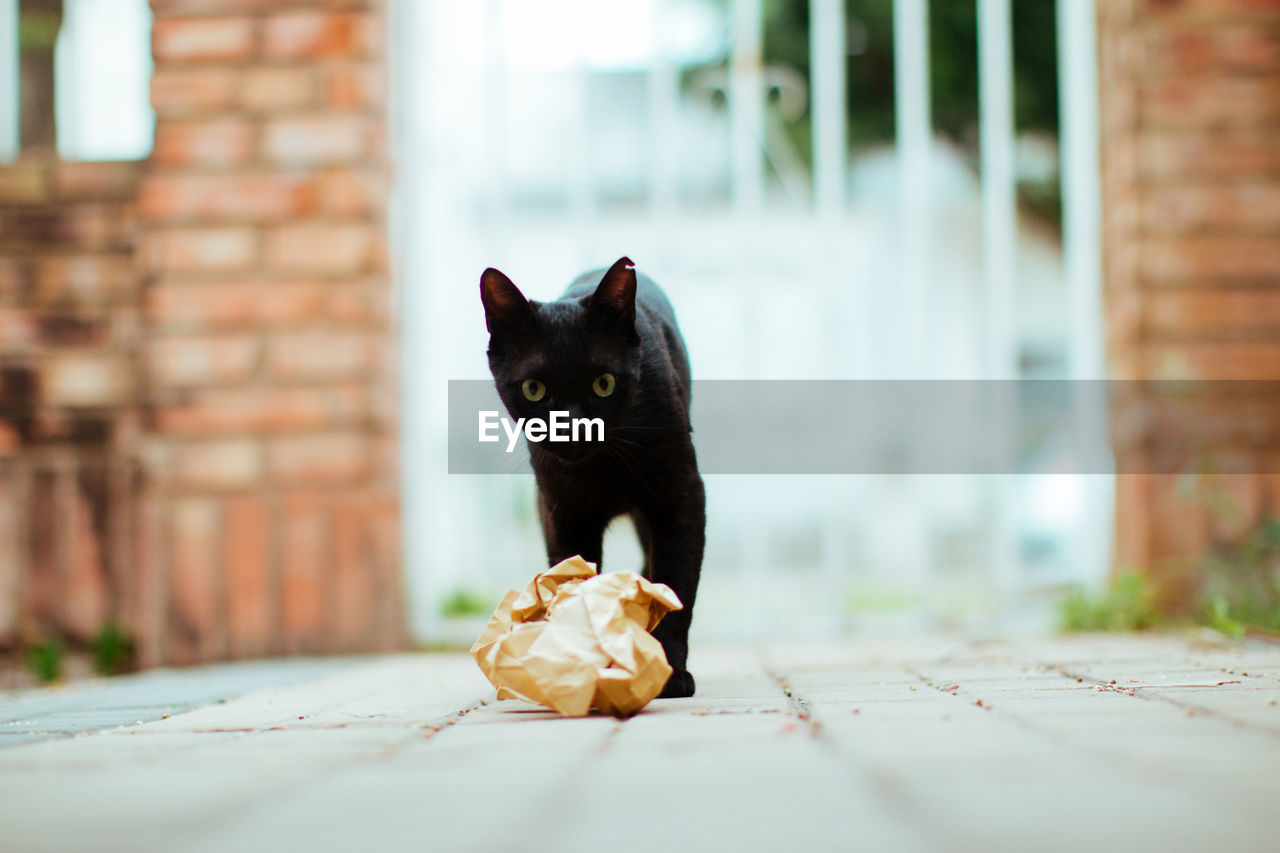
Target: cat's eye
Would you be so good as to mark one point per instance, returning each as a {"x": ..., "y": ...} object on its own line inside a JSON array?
[
  {"x": 533, "y": 390},
  {"x": 604, "y": 384}
]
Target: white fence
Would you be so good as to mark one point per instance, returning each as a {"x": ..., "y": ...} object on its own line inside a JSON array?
[{"x": 549, "y": 138}]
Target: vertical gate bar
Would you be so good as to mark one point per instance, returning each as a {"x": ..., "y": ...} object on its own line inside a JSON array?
[
  {"x": 664, "y": 108},
  {"x": 913, "y": 131},
  {"x": 999, "y": 224},
  {"x": 913, "y": 123},
  {"x": 827, "y": 99},
  {"x": 1081, "y": 203},
  {"x": 495, "y": 98},
  {"x": 10, "y": 111},
  {"x": 746, "y": 107},
  {"x": 582, "y": 187},
  {"x": 827, "y": 82},
  {"x": 1080, "y": 178},
  {"x": 999, "y": 236}
]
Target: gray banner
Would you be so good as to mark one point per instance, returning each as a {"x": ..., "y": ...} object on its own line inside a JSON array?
[{"x": 940, "y": 427}]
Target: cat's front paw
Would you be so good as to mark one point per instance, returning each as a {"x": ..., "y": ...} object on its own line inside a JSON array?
[{"x": 679, "y": 685}]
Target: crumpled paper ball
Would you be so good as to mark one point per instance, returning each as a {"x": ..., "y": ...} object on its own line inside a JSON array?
[{"x": 574, "y": 640}]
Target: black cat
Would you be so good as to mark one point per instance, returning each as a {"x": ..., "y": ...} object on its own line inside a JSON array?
[{"x": 609, "y": 348}]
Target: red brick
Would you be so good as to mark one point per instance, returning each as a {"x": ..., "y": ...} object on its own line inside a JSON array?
[
  {"x": 1217, "y": 360},
  {"x": 384, "y": 522},
  {"x": 26, "y": 183},
  {"x": 246, "y": 556},
  {"x": 1204, "y": 11},
  {"x": 305, "y": 459},
  {"x": 1241, "y": 47},
  {"x": 1179, "y": 537},
  {"x": 1196, "y": 154},
  {"x": 18, "y": 329},
  {"x": 232, "y": 463},
  {"x": 200, "y": 361},
  {"x": 189, "y": 91},
  {"x": 149, "y": 587},
  {"x": 356, "y": 582},
  {"x": 318, "y": 140},
  {"x": 85, "y": 279},
  {"x": 164, "y": 8},
  {"x": 355, "y": 86},
  {"x": 226, "y": 198},
  {"x": 381, "y": 260},
  {"x": 179, "y": 40},
  {"x": 315, "y": 35},
  {"x": 1227, "y": 257},
  {"x": 83, "y": 226},
  {"x": 263, "y": 410},
  {"x": 386, "y": 449},
  {"x": 1197, "y": 101},
  {"x": 362, "y": 302},
  {"x": 84, "y": 581},
  {"x": 272, "y": 89},
  {"x": 306, "y": 573},
  {"x": 41, "y": 592},
  {"x": 1237, "y": 208},
  {"x": 318, "y": 355},
  {"x": 72, "y": 378},
  {"x": 321, "y": 249},
  {"x": 203, "y": 249},
  {"x": 353, "y": 192},
  {"x": 97, "y": 181},
  {"x": 203, "y": 142},
  {"x": 251, "y": 302},
  {"x": 196, "y": 588},
  {"x": 1225, "y": 312},
  {"x": 10, "y": 443}
]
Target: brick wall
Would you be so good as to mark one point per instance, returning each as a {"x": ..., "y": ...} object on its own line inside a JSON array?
[
  {"x": 197, "y": 429},
  {"x": 269, "y": 359},
  {"x": 69, "y": 415},
  {"x": 1190, "y": 97}
]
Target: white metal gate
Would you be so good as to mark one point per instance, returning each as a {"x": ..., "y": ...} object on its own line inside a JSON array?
[{"x": 545, "y": 150}]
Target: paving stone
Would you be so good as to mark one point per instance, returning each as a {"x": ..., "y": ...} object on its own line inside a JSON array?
[{"x": 918, "y": 743}]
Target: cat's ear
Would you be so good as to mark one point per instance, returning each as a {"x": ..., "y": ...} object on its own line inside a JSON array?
[
  {"x": 615, "y": 295},
  {"x": 505, "y": 308}
]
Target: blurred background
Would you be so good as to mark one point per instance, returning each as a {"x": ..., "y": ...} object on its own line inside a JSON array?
[
  {"x": 239, "y": 249},
  {"x": 807, "y": 182}
]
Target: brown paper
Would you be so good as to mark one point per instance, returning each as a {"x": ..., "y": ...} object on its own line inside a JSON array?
[{"x": 574, "y": 640}]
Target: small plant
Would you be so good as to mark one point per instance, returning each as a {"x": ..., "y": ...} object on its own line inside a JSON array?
[
  {"x": 1125, "y": 605},
  {"x": 45, "y": 661},
  {"x": 1242, "y": 582},
  {"x": 112, "y": 650},
  {"x": 463, "y": 602}
]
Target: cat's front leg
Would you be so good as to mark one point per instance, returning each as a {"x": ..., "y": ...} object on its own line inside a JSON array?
[
  {"x": 568, "y": 531},
  {"x": 674, "y": 544}
]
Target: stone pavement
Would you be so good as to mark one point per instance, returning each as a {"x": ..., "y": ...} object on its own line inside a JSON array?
[{"x": 1100, "y": 742}]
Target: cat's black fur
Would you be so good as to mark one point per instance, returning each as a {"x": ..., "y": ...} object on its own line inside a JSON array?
[{"x": 609, "y": 321}]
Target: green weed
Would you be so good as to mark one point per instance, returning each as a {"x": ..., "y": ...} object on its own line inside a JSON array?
[
  {"x": 1125, "y": 605},
  {"x": 464, "y": 602},
  {"x": 112, "y": 650},
  {"x": 45, "y": 660}
]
